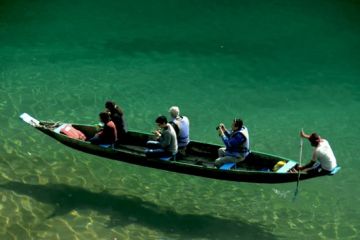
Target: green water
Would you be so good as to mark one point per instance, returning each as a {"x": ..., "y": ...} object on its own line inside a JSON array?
[{"x": 279, "y": 65}]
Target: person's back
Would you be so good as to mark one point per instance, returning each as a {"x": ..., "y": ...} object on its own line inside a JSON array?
[
  {"x": 117, "y": 116},
  {"x": 119, "y": 122},
  {"x": 323, "y": 160},
  {"x": 183, "y": 124},
  {"x": 244, "y": 147},
  {"x": 184, "y": 131},
  {"x": 324, "y": 154}
]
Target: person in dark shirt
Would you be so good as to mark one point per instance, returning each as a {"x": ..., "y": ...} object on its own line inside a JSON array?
[
  {"x": 165, "y": 144},
  {"x": 117, "y": 116},
  {"x": 108, "y": 134}
]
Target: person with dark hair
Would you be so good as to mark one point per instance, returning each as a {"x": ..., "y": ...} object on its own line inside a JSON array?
[
  {"x": 117, "y": 116},
  {"x": 237, "y": 143},
  {"x": 323, "y": 160},
  {"x": 108, "y": 134},
  {"x": 165, "y": 144}
]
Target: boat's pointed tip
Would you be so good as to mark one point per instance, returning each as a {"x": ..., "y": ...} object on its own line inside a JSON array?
[{"x": 29, "y": 119}]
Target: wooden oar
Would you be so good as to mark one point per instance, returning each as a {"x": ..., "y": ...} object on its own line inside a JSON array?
[{"x": 298, "y": 177}]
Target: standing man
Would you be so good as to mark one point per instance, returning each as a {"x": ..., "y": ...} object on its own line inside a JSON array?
[
  {"x": 237, "y": 143},
  {"x": 323, "y": 160}
]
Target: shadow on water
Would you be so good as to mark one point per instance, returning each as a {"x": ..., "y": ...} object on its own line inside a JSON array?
[{"x": 124, "y": 210}]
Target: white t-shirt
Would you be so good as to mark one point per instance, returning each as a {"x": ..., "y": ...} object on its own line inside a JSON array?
[{"x": 324, "y": 154}]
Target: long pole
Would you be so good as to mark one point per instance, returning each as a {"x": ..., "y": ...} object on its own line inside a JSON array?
[{"x": 298, "y": 177}]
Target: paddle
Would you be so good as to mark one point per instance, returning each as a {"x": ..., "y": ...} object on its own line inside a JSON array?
[{"x": 298, "y": 177}]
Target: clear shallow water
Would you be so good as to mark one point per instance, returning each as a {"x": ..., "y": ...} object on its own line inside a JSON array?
[{"x": 280, "y": 66}]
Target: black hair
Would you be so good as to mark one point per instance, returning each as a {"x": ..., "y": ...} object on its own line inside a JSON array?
[
  {"x": 113, "y": 108},
  {"x": 314, "y": 139},
  {"x": 161, "y": 119},
  {"x": 238, "y": 122},
  {"x": 104, "y": 117}
]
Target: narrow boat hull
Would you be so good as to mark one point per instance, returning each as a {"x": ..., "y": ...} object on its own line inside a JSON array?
[{"x": 199, "y": 160}]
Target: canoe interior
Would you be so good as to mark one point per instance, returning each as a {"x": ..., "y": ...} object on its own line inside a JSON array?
[{"x": 197, "y": 153}]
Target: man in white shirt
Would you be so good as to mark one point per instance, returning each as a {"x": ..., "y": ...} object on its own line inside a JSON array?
[{"x": 323, "y": 159}]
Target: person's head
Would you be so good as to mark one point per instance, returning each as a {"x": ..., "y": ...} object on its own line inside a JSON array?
[
  {"x": 314, "y": 139},
  {"x": 237, "y": 124},
  {"x": 161, "y": 121},
  {"x": 112, "y": 107},
  {"x": 174, "y": 111},
  {"x": 104, "y": 117}
]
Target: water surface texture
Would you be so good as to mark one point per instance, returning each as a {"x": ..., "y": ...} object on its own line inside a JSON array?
[{"x": 280, "y": 65}]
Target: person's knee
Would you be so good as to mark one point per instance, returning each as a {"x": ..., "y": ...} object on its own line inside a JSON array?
[
  {"x": 152, "y": 144},
  {"x": 218, "y": 162},
  {"x": 221, "y": 152}
]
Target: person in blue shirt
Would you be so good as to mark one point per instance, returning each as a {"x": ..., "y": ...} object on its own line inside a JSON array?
[{"x": 237, "y": 143}]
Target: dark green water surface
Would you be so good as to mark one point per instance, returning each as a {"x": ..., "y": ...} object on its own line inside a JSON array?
[{"x": 280, "y": 65}]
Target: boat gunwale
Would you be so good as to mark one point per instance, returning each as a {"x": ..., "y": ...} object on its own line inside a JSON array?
[{"x": 238, "y": 174}]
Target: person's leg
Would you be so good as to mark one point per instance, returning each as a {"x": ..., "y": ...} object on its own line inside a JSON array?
[
  {"x": 157, "y": 153},
  {"x": 226, "y": 159},
  {"x": 154, "y": 153},
  {"x": 153, "y": 145},
  {"x": 221, "y": 152},
  {"x": 316, "y": 170},
  {"x": 95, "y": 140},
  {"x": 154, "y": 150}
]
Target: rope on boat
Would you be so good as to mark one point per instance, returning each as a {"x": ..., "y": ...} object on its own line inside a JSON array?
[{"x": 50, "y": 126}]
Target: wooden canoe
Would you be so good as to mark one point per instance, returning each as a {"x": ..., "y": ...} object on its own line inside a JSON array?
[{"x": 198, "y": 161}]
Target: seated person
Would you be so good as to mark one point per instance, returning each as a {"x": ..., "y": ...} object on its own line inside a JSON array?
[
  {"x": 323, "y": 160},
  {"x": 165, "y": 144},
  {"x": 108, "y": 134},
  {"x": 181, "y": 126},
  {"x": 236, "y": 143},
  {"x": 117, "y": 116}
]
